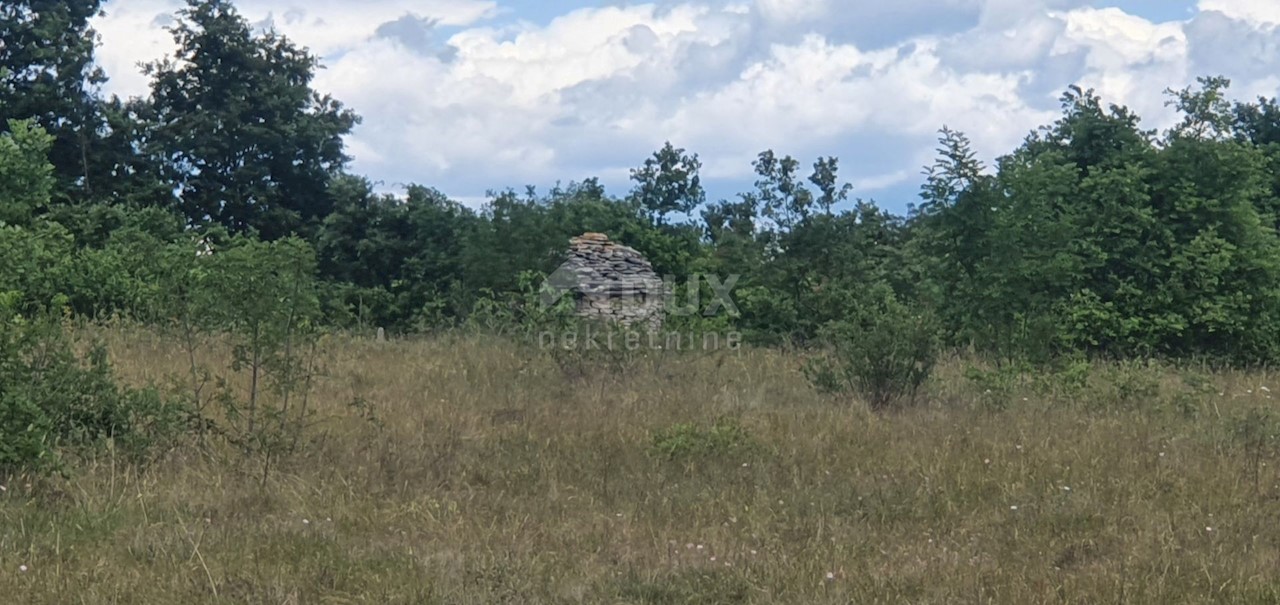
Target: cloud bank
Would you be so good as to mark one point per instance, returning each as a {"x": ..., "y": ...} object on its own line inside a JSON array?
[{"x": 469, "y": 95}]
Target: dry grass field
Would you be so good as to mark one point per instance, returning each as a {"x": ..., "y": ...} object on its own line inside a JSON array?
[{"x": 467, "y": 470}]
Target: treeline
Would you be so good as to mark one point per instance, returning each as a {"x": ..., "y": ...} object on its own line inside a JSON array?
[{"x": 1095, "y": 236}]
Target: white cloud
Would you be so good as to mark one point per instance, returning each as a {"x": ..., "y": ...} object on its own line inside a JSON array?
[
  {"x": 133, "y": 30},
  {"x": 806, "y": 97},
  {"x": 1257, "y": 11},
  {"x": 1127, "y": 59},
  {"x": 1115, "y": 40},
  {"x": 488, "y": 103}
]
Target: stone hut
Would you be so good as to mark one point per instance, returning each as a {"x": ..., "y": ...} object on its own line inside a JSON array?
[{"x": 611, "y": 282}]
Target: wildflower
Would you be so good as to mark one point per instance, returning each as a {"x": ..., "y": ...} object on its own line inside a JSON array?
[
  {"x": 22, "y": 568},
  {"x": 831, "y": 575},
  {"x": 986, "y": 461},
  {"x": 306, "y": 522},
  {"x": 1014, "y": 507},
  {"x": 688, "y": 546},
  {"x": 713, "y": 559},
  {"x": 699, "y": 547},
  {"x": 1066, "y": 488},
  {"x": 753, "y": 552},
  {"x": 1208, "y": 529}
]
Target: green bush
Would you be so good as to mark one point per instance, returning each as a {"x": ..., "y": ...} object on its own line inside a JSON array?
[
  {"x": 883, "y": 352},
  {"x": 1128, "y": 385},
  {"x": 53, "y": 401},
  {"x": 687, "y": 441},
  {"x": 43, "y": 262},
  {"x": 1066, "y": 378}
]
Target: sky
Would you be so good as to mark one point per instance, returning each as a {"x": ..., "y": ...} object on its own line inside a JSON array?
[{"x": 470, "y": 96}]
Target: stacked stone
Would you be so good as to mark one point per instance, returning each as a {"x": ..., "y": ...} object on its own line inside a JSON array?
[{"x": 614, "y": 282}]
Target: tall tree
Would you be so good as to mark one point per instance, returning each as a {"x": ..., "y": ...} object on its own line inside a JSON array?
[
  {"x": 668, "y": 182},
  {"x": 47, "y": 74},
  {"x": 251, "y": 145},
  {"x": 783, "y": 197},
  {"x": 825, "y": 178}
]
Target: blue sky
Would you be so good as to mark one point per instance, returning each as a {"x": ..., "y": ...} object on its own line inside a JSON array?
[
  {"x": 1155, "y": 10},
  {"x": 473, "y": 95}
]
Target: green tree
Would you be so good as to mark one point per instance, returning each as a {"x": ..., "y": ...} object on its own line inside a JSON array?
[
  {"x": 26, "y": 176},
  {"x": 251, "y": 145},
  {"x": 400, "y": 254},
  {"x": 952, "y": 228},
  {"x": 47, "y": 74},
  {"x": 1094, "y": 235},
  {"x": 1258, "y": 123},
  {"x": 668, "y": 183},
  {"x": 267, "y": 300},
  {"x": 781, "y": 192},
  {"x": 826, "y": 178}
]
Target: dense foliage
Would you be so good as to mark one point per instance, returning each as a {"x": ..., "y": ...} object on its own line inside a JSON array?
[{"x": 1093, "y": 237}]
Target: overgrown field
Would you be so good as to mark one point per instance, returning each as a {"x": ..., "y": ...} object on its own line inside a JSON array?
[{"x": 466, "y": 470}]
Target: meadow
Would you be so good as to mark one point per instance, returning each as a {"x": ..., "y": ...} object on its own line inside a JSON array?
[{"x": 466, "y": 469}]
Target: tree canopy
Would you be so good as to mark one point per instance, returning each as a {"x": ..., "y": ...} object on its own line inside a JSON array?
[{"x": 1093, "y": 236}]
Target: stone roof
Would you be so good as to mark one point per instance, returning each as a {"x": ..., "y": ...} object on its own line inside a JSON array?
[{"x": 607, "y": 269}]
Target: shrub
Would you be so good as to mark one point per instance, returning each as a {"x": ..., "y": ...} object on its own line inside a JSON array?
[
  {"x": 267, "y": 301},
  {"x": 264, "y": 300},
  {"x": 1127, "y": 385},
  {"x": 685, "y": 441},
  {"x": 884, "y": 351},
  {"x": 53, "y": 400},
  {"x": 43, "y": 262}
]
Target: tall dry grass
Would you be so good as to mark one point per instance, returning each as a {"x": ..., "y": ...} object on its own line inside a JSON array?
[{"x": 464, "y": 470}]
